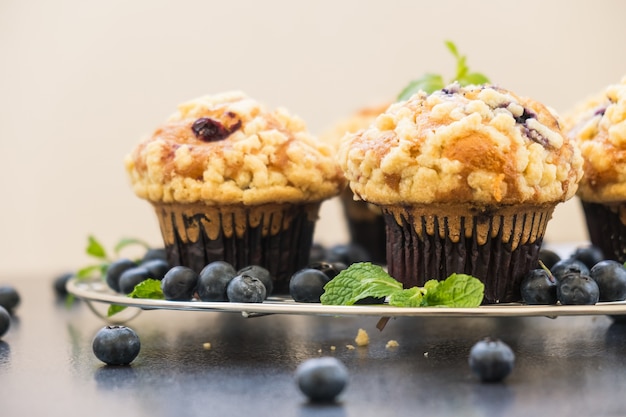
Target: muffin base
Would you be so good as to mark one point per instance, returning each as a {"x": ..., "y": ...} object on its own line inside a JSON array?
[
  {"x": 365, "y": 226},
  {"x": 606, "y": 225},
  {"x": 496, "y": 245},
  {"x": 275, "y": 236}
]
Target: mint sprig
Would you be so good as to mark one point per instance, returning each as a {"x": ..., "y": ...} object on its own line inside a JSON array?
[
  {"x": 362, "y": 280},
  {"x": 432, "y": 82},
  {"x": 150, "y": 288}
]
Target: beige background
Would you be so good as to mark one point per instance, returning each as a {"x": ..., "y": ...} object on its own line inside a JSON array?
[{"x": 82, "y": 81}]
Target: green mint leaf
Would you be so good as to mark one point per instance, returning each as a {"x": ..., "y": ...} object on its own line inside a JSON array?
[
  {"x": 90, "y": 270},
  {"x": 452, "y": 48},
  {"x": 114, "y": 309},
  {"x": 427, "y": 83},
  {"x": 473, "y": 78},
  {"x": 150, "y": 288},
  {"x": 129, "y": 241},
  {"x": 458, "y": 290},
  {"x": 358, "y": 281},
  {"x": 95, "y": 248},
  {"x": 411, "y": 297}
]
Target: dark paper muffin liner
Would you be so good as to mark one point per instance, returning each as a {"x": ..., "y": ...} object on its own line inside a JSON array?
[
  {"x": 365, "y": 226},
  {"x": 497, "y": 246},
  {"x": 607, "y": 229},
  {"x": 275, "y": 236}
]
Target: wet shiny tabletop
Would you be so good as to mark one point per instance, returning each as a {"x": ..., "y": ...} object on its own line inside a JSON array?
[{"x": 564, "y": 366}]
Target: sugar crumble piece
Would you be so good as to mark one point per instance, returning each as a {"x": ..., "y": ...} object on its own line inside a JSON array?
[
  {"x": 392, "y": 344},
  {"x": 362, "y": 338},
  {"x": 350, "y": 347},
  {"x": 206, "y": 345}
]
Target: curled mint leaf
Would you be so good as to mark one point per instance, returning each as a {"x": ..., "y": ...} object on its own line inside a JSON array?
[
  {"x": 427, "y": 83},
  {"x": 95, "y": 248},
  {"x": 458, "y": 290},
  {"x": 411, "y": 297},
  {"x": 150, "y": 288},
  {"x": 129, "y": 241},
  {"x": 360, "y": 280}
]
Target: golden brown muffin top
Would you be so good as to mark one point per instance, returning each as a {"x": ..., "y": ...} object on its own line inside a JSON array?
[
  {"x": 229, "y": 149},
  {"x": 481, "y": 145},
  {"x": 360, "y": 119},
  {"x": 599, "y": 128}
]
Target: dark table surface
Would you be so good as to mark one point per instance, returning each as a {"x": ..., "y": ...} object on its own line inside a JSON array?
[{"x": 568, "y": 366}]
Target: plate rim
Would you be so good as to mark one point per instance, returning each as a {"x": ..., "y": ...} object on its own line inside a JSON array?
[{"x": 98, "y": 291}]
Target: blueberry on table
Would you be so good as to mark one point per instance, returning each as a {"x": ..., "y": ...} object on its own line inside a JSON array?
[
  {"x": 213, "y": 281},
  {"x": 261, "y": 274},
  {"x": 568, "y": 265},
  {"x": 245, "y": 289},
  {"x": 157, "y": 268},
  {"x": 179, "y": 283},
  {"x": 575, "y": 288},
  {"x": 322, "y": 379},
  {"x": 589, "y": 255},
  {"x": 115, "y": 270},
  {"x": 539, "y": 287},
  {"x": 59, "y": 283},
  {"x": 131, "y": 277},
  {"x": 307, "y": 285},
  {"x": 9, "y": 298},
  {"x": 611, "y": 279},
  {"x": 347, "y": 253},
  {"x": 491, "y": 359},
  {"x": 5, "y": 321},
  {"x": 116, "y": 345}
]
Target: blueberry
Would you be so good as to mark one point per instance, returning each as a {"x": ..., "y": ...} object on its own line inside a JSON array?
[
  {"x": 611, "y": 279},
  {"x": 317, "y": 253},
  {"x": 260, "y": 273},
  {"x": 307, "y": 285},
  {"x": 539, "y": 287},
  {"x": 245, "y": 289},
  {"x": 330, "y": 269},
  {"x": 589, "y": 255},
  {"x": 59, "y": 283},
  {"x": 155, "y": 253},
  {"x": 115, "y": 270},
  {"x": 9, "y": 298},
  {"x": 548, "y": 257},
  {"x": 575, "y": 288},
  {"x": 179, "y": 283},
  {"x": 347, "y": 254},
  {"x": 214, "y": 279},
  {"x": 116, "y": 345},
  {"x": 131, "y": 277},
  {"x": 157, "y": 268},
  {"x": 322, "y": 379},
  {"x": 5, "y": 321},
  {"x": 491, "y": 359},
  {"x": 567, "y": 265}
]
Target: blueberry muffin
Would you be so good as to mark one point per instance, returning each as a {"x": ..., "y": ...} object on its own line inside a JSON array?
[
  {"x": 232, "y": 180},
  {"x": 467, "y": 179},
  {"x": 598, "y": 126}
]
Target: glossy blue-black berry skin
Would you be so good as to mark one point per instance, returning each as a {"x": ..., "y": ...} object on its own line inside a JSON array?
[
  {"x": 575, "y": 288},
  {"x": 549, "y": 257},
  {"x": 116, "y": 345},
  {"x": 59, "y": 283},
  {"x": 5, "y": 321},
  {"x": 213, "y": 281},
  {"x": 491, "y": 359},
  {"x": 611, "y": 279},
  {"x": 589, "y": 255},
  {"x": 9, "y": 298},
  {"x": 538, "y": 287},
  {"x": 179, "y": 283},
  {"x": 131, "y": 277},
  {"x": 330, "y": 269},
  {"x": 307, "y": 285},
  {"x": 155, "y": 253},
  {"x": 157, "y": 268},
  {"x": 245, "y": 289},
  {"x": 261, "y": 274},
  {"x": 567, "y": 265},
  {"x": 322, "y": 379},
  {"x": 347, "y": 253},
  {"x": 115, "y": 270}
]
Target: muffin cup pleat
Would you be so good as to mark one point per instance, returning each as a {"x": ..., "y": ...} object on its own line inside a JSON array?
[
  {"x": 499, "y": 249},
  {"x": 606, "y": 228}
]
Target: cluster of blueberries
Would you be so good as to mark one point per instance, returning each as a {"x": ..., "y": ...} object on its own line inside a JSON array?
[
  {"x": 9, "y": 300},
  {"x": 220, "y": 281},
  {"x": 584, "y": 278}
]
